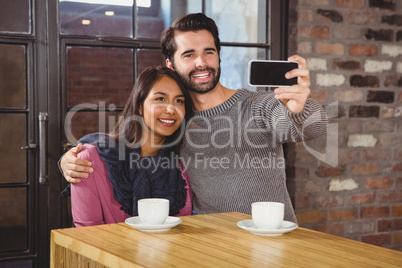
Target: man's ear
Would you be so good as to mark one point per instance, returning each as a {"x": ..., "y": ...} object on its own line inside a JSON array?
[{"x": 169, "y": 64}]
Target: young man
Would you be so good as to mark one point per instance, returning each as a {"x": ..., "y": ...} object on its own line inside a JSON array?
[{"x": 232, "y": 149}]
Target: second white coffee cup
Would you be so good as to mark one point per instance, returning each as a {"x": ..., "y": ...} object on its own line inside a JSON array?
[
  {"x": 153, "y": 211},
  {"x": 267, "y": 215}
]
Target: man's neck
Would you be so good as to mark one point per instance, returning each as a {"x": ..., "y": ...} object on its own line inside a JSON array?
[{"x": 205, "y": 101}]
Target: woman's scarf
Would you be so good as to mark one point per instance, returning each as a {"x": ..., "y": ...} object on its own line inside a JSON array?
[{"x": 134, "y": 177}]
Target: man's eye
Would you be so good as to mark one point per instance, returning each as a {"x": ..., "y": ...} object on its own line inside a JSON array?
[{"x": 187, "y": 56}]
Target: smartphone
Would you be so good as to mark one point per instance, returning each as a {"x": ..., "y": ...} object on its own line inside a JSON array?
[{"x": 270, "y": 73}]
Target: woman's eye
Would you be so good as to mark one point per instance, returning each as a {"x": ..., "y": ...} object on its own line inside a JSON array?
[
  {"x": 160, "y": 99},
  {"x": 180, "y": 101}
]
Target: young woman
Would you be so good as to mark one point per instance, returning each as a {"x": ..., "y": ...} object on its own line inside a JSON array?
[{"x": 139, "y": 158}]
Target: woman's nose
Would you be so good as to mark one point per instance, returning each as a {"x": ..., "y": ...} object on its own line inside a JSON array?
[{"x": 170, "y": 109}]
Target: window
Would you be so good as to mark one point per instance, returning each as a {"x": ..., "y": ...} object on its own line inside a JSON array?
[{"x": 133, "y": 29}]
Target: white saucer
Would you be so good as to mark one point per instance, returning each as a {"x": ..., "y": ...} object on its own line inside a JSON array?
[
  {"x": 137, "y": 224},
  {"x": 285, "y": 227}
]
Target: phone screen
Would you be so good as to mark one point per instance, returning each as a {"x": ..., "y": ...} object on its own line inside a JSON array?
[{"x": 271, "y": 73}]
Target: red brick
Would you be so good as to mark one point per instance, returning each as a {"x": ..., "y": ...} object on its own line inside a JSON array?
[
  {"x": 359, "y": 227},
  {"x": 346, "y": 65},
  {"x": 369, "y": 212},
  {"x": 396, "y": 210},
  {"x": 305, "y": 15},
  {"x": 383, "y": 4},
  {"x": 399, "y": 183},
  {"x": 349, "y": 155},
  {"x": 361, "y": 18},
  {"x": 391, "y": 196},
  {"x": 330, "y": 49},
  {"x": 362, "y": 198},
  {"x": 389, "y": 225},
  {"x": 362, "y": 50},
  {"x": 319, "y": 95},
  {"x": 355, "y": 4},
  {"x": 397, "y": 238},
  {"x": 346, "y": 33},
  {"x": 379, "y": 126},
  {"x": 299, "y": 156},
  {"x": 397, "y": 153},
  {"x": 328, "y": 171},
  {"x": 312, "y": 216},
  {"x": 350, "y": 126},
  {"x": 328, "y": 201},
  {"x": 302, "y": 201},
  {"x": 334, "y": 229},
  {"x": 365, "y": 169},
  {"x": 304, "y": 47},
  {"x": 313, "y": 187},
  {"x": 376, "y": 154},
  {"x": 390, "y": 139},
  {"x": 397, "y": 167},
  {"x": 379, "y": 35},
  {"x": 393, "y": 81},
  {"x": 320, "y": 32},
  {"x": 378, "y": 183},
  {"x": 340, "y": 215},
  {"x": 364, "y": 81},
  {"x": 378, "y": 239}
]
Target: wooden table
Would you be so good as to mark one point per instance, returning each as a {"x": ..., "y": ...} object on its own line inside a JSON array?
[{"x": 211, "y": 240}]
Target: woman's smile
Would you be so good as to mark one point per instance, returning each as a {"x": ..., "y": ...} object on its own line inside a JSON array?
[{"x": 167, "y": 122}]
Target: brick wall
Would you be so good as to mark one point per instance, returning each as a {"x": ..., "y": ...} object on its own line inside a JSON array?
[{"x": 354, "y": 53}]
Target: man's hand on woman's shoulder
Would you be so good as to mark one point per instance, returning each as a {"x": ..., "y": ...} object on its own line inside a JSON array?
[{"x": 75, "y": 169}]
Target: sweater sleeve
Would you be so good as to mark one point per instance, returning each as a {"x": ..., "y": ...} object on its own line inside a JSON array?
[
  {"x": 85, "y": 199},
  {"x": 270, "y": 114}
]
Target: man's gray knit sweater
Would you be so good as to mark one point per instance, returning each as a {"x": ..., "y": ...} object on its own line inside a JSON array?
[{"x": 233, "y": 152}]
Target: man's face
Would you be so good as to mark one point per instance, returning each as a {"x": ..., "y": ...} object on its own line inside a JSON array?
[{"x": 196, "y": 61}]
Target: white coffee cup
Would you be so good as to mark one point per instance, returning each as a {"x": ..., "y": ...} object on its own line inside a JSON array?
[
  {"x": 267, "y": 215},
  {"x": 153, "y": 211}
]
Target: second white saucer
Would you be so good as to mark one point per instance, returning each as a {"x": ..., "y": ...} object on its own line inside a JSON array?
[
  {"x": 285, "y": 227},
  {"x": 137, "y": 224}
]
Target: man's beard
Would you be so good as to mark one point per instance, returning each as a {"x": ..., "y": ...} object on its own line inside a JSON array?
[{"x": 200, "y": 88}]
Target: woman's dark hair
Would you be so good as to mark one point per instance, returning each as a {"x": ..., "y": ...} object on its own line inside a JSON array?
[
  {"x": 129, "y": 127},
  {"x": 187, "y": 23}
]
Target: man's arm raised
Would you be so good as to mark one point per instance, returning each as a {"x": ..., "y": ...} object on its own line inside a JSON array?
[{"x": 73, "y": 168}]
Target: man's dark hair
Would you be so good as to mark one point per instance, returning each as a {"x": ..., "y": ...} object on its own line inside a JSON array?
[{"x": 191, "y": 22}]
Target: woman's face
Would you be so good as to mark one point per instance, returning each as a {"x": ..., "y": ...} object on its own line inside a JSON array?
[{"x": 163, "y": 109}]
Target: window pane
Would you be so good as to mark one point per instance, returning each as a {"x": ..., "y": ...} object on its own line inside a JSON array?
[
  {"x": 12, "y": 138},
  {"x": 13, "y": 220},
  {"x": 149, "y": 57},
  {"x": 12, "y": 76},
  {"x": 96, "y": 17},
  {"x": 242, "y": 21},
  {"x": 97, "y": 75},
  {"x": 234, "y": 65},
  {"x": 78, "y": 124},
  {"x": 153, "y": 19},
  {"x": 15, "y": 16}
]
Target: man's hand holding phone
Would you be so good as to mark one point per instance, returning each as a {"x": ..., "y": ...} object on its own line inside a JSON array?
[
  {"x": 295, "y": 97},
  {"x": 291, "y": 78}
]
